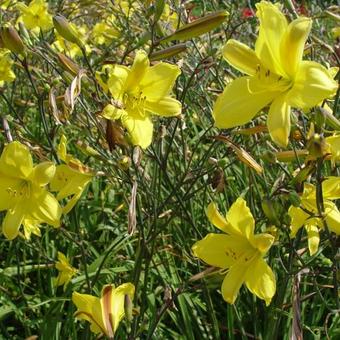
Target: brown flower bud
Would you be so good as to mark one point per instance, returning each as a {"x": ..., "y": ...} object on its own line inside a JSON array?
[{"x": 11, "y": 40}]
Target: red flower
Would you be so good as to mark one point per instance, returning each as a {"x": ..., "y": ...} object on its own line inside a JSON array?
[{"x": 247, "y": 13}]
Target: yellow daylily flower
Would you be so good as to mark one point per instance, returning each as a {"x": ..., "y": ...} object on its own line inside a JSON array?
[
  {"x": 239, "y": 252},
  {"x": 71, "y": 178},
  {"x": 23, "y": 190},
  {"x": 35, "y": 15},
  {"x": 6, "y": 73},
  {"x": 300, "y": 216},
  {"x": 276, "y": 75},
  {"x": 104, "y": 313},
  {"x": 139, "y": 91},
  {"x": 103, "y": 33},
  {"x": 66, "y": 271}
]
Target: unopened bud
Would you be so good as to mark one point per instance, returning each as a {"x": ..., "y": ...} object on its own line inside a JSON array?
[
  {"x": 24, "y": 34},
  {"x": 269, "y": 156},
  {"x": 319, "y": 118},
  {"x": 159, "y": 8},
  {"x": 66, "y": 30},
  {"x": 168, "y": 52},
  {"x": 128, "y": 307},
  {"x": 68, "y": 64},
  {"x": 290, "y": 155},
  {"x": 331, "y": 120},
  {"x": 86, "y": 149},
  {"x": 269, "y": 211},
  {"x": 198, "y": 27},
  {"x": 11, "y": 40}
]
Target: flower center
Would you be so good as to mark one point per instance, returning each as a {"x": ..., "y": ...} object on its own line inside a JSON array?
[
  {"x": 268, "y": 80},
  {"x": 134, "y": 103},
  {"x": 22, "y": 191}
]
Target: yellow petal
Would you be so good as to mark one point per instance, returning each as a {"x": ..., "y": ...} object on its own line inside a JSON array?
[
  {"x": 293, "y": 43},
  {"x": 30, "y": 227},
  {"x": 113, "y": 78},
  {"x": 159, "y": 80},
  {"x": 118, "y": 80},
  {"x": 273, "y": 25},
  {"x": 62, "y": 148},
  {"x": 233, "y": 282},
  {"x": 331, "y": 188},
  {"x": 166, "y": 107},
  {"x": 216, "y": 218},
  {"x": 89, "y": 308},
  {"x": 241, "y": 221},
  {"x": 278, "y": 121},
  {"x": 237, "y": 105},
  {"x": 262, "y": 242},
  {"x": 16, "y": 161},
  {"x": 260, "y": 280},
  {"x": 71, "y": 203},
  {"x": 332, "y": 214},
  {"x": 140, "y": 130},
  {"x": 313, "y": 238},
  {"x": 44, "y": 207},
  {"x": 7, "y": 187},
  {"x": 217, "y": 250},
  {"x": 112, "y": 303},
  {"x": 313, "y": 84},
  {"x": 138, "y": 70},
  {"x": 12, "y": 221},
  {"x": 68, "y": 181},
  {"x": 334, "y": 144},
  {"x": 241, "y": 57},
  {"x": 43, "y": 173},
  {"x": 298, "y": 219},
  {"x": 112, "y": 112}
]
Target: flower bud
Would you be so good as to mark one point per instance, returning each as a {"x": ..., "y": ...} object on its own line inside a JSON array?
[
  {"x": 11, "y": 40},
  {"x": 66, "y": 30},
  {"x": 198, "y": 27},
  {"x": 269, "y": 211},
  {"x": 290, "y": 155},
  {"x": 128, "y": 307},
  {"x": 159, "y": 8},
  {"x": 168, "y": 52},
  {"x": 68, "y": 64},
  {"x": 269, "y": 156}
]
